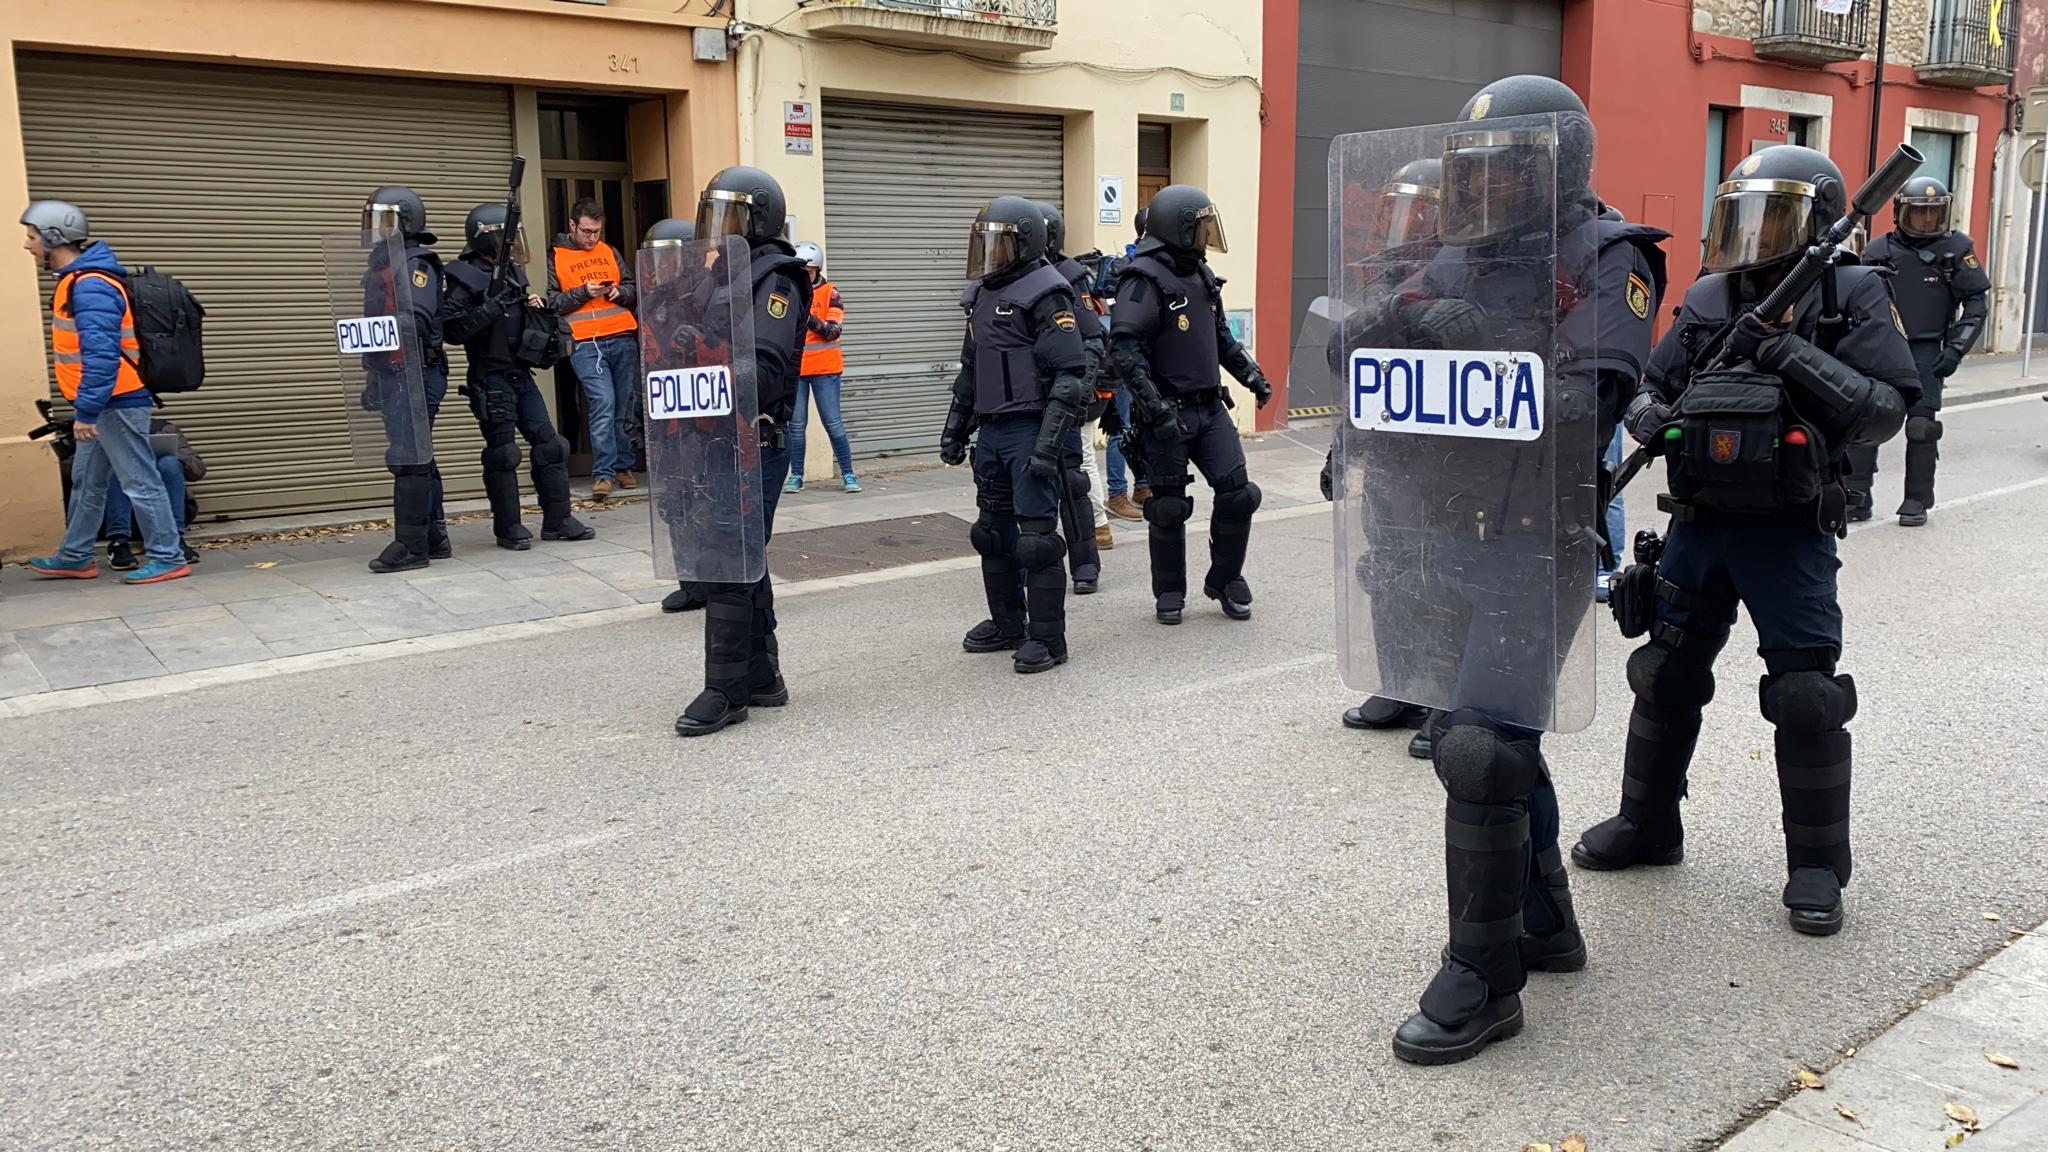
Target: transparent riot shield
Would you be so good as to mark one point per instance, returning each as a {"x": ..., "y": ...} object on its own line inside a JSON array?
[
  {"x": 383, "y": 401},
  {"x": 1466, "y": 445},
  {"x": 703, "y": 441}
]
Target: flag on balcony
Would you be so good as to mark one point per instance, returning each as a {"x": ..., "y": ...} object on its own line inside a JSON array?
[
  {"x": 1997, "y": 37},
  {"x": 1837, "y": 7}
]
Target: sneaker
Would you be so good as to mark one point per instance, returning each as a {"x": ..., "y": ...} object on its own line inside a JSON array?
[
  {"x": 120, "y": 556},
  {"x": 67, "y": 569},
  {"x": 626, "y": 479},
  {"x": 849, "y": 482},
  {"x": 600, "y": 488},
  {"x": 1121, "y": 506},
  {"x": 1104, "y": 539},
  {"x": 191, "y": 553},
  {"x": 158, "y": 571},
  {"x": 795, "y": 483}
]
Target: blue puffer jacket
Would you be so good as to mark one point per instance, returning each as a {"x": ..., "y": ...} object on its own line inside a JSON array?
[{"x": 96, "y": 308}]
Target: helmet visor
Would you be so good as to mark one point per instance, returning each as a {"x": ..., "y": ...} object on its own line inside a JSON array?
[
  {"x": 381, "y": 222},
  {"x": 1496, "y": 183},
  {"x": 990, "y": 248},
  {"x": 721, "y": 214},
  {"x": 1209, "y": 231},
  {"x": 490, "y": 236},
  {"x": 1757, "y": 222},
  {"x": 1922, "y": 215},
  {"x": 1407, "y": 215}
]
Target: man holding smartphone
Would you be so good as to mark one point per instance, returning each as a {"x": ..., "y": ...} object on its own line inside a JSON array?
[{"x": 588, "y": 287}]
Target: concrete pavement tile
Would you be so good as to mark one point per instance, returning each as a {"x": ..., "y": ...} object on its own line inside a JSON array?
[
  {"x": 439, "y": 568},
  {"x": 300, "y": 645},
  {"x": 18, "y": 675},
  {"x": 627, "y": 571},
  {"x": 2026, "y": 958},
  {"x": 274, "y": 618},
  {"x": 475, "y": 593},
  {"x": 211, "y": 613},
  {"x": 577, "y": 549},
  {"x": 206, "y": 644},
  {"x": 2025, "y": 1130},
  {"x": 93, "y": 652},
  {"x": 1896, "y": 1110},
  {"x": 1778, "y": 1132},
  {"x": 571, "y": 593},
  {"x": 327, "y": 575},
  {"x": 508, "y": 613},
  {"x": 653, "y": 593},
  {"x": 1951, "y": 1053},
  {"x": 229, "y": 585},
  {"x": 28, "y": 606},
  {"x": 517, "y": 565},
  {"x": 394, "y": 610},
  {"x": 1998, "y": 1004}
]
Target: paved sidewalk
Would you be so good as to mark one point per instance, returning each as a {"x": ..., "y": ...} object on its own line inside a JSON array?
[{"x": 1931, "y": 1078}]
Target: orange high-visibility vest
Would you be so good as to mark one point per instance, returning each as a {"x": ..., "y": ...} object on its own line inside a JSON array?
[
  {"x": 822, "y": 357},
  {"x": 575, "y": 267},
  {"x": 64, "y": 341}
]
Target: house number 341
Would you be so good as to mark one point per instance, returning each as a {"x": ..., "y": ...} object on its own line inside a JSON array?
[{"x": 624, "y": 63}]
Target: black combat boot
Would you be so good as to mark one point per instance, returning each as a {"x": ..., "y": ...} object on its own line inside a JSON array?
[
  {"x": 728, "y": 662},
  {"x": 412, "y": 510},
  {"x": 687, "y": 597},
  {"x": 1560, "y": 947},
  {"x": 1648, "y": 829},
  {"x": 502, "y": 489},
  {"x": 1235, "y": 596},
  {"x": 1003, "y": 587},
  {"x": 1380, "y": 712}
]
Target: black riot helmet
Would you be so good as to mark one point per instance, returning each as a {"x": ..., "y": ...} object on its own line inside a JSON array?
[
  {"x": 1055, "y": 231},
  {"x": 484, "y": 229},
  {"x": 744, "y": 202},
  {"x": 1503, "y": 179},
  {"x": 395, "y": 210},
  {"x": 669, "y": 231},
  {"x": 1776, "y": 202},
  {"x": 1008, "y": 233},
  {"x": 1139, "y": 221},
  {"x": 1409, "y": 204},
  {"x": 1921, "y": 208},
  {"x": 1183, "y": 218}
]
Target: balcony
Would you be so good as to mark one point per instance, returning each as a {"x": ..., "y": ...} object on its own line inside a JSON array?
[
  {"x": 1797, "y": 30},
  {"x": 1004, "y": 27},
  {"x": 1960, "y": 52}
]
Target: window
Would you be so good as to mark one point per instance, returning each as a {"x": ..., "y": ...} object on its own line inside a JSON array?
[
  {"x": 1803, "y": 131},
  {"x": 1717, "y": 161},
  {"x": 1940, "y": 150}
]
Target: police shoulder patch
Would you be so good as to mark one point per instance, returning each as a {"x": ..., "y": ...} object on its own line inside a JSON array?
[
  {"x": 1970, "y": 258},
  {"x": 1897, "y": 322},
  {"x": 1480, "y": 106},
  {"x": 419, "y": 277},
  {"x": 1638, "y": 296},
  {"x": 778, "y": 305},
  {"x": 1064, "y": 320},
  {"x": 1184, "y": 322}
]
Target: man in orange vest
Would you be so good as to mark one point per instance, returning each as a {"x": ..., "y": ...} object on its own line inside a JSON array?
[
  {"x": 98, "y": 359},
  {"x": 588, "y": 287},
  {"x": 823, "y": 369}
]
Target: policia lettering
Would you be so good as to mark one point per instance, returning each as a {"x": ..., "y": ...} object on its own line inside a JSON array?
[
  {"x": 508, "y": 332},
  {"x": 742, "y": 661},
  {"x": 1168, "y": 340},
  {"x": 1757, "y": 527},
  {"x": 1022, "y": 392},
  {"x": 1941, "y": 288},
  {"x": 419, "y": 527}
]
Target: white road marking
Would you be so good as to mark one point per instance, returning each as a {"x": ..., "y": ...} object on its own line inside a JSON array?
[
  {"x": 291, "y": 913},
  {"x": 1247, "y": 676},
  {"x": 1959, "y": 501}
]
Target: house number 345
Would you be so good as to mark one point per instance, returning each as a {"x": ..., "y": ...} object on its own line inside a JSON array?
[{"x": 624, "y": 63}]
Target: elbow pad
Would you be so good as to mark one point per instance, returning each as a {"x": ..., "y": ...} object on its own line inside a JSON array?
[{"x": 1850, "y": 408}]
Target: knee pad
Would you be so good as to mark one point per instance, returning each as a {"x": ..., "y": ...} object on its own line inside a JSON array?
[
  {"x": 501, "y": 458},
  {"x": 1807, "y": 701},
  {"x": 1480, "y": 762},
  {"x": 1239, "y": 503},
  {"x": 986, "y": 536},
  {"x": 550, "y": 452},
  {"x": 1924, "y": 429},
  {"x": 1039, "y": 545},
  {"x": 1168, "y": 508},
  {"x": 1665, "y": 674}
]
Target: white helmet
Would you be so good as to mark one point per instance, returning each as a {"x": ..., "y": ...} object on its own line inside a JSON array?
[
  {"x": 57, "y": 222},
  {"x": 812, "y": 255}
]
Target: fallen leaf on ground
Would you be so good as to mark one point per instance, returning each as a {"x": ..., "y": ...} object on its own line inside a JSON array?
[
  {"x": 1535, "y": 1146},
  {"x": 1955, "y": 1138},
  {"x": 2001, "y": 1059},
  {"x": 1849, "y": 1051},
  {"x": 264, "y": 564},
  {"x": 1842, "y": 1110},
  {"x": 1808, "y": 1078},
  {"x": 1573, "y": 1143},
  {"x": 1962, "y": 1114},
  {"x": 1993, "y": 916}
]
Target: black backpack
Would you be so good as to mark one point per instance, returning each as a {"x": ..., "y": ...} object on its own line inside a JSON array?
[{"x": 167, "y": 323}]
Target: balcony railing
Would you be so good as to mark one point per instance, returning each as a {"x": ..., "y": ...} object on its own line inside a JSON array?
[
  {"x": 1010, "y": 27},
  {"x": 1960, "y": 52},
  {"x": 1799, "y": 30}
]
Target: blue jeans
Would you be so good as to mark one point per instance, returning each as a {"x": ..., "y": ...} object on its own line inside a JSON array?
[
  {"x": 121, "y": 450},
  {"x": 1118, "y": 482},
  {"x": 826, "y": 390},
  {"x": 609, "y": 370},
  {"x": 1617, "y": 522},
  {"x": 121, "y": 513}
]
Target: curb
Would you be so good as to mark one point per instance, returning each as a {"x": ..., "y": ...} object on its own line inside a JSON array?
[{"x": 2002, "y": 392}]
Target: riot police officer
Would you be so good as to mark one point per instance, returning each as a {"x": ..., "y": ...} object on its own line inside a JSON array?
[
  {"x": 508, "y": 332},
  {"x": 1168, "y": 339},
  {"x": 1077, "y": 506},
  {"x": 688, "y": 596},
  {"x": 1021, "y": 392},
  {"x": 1940, "y": 287},
  {"x": 1757, "y": 501},
  {"x": 418, "y": 526},
  {"x": 742, "y": 662}
]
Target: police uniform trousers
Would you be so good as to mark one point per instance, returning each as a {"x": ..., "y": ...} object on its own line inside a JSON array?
[
  {"x": 506, "y": 404},
  {"x": 1017, "y": 533},
  {"x": 740, "y": 653},
  {"x": 1783, "y": 570},
  {"x": 1504, "y": 874},
  {"x": 417, "y": 518},
  {"x": 1923, "y": 435},
  {"x": 1207, "y": 438}
]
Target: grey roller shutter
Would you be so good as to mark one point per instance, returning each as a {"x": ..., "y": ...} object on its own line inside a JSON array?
[
  {"x": 902, "y": 185},
  {"x": 225, "y": 178}
]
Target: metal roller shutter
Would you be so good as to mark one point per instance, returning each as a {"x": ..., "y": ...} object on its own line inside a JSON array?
[
  {"x": 226, "y": 177},
  {"x": 902, "y": 185}
]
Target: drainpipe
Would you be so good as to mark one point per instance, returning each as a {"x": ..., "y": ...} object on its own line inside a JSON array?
[{"x": 1884, "y": 25}]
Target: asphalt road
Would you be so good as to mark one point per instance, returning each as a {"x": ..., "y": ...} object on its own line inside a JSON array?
[{"x": 1157, "y": 899}]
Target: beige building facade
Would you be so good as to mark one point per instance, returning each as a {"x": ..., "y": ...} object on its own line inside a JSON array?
[
  {"x": 218, "y": 139},
  {"x": 891, "y": 122}
]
